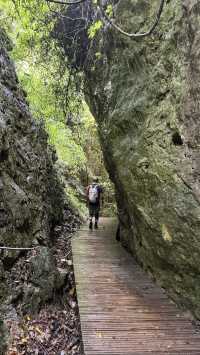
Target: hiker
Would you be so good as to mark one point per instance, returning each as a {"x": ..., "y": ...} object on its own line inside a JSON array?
[{"x": 95, "y": 198}]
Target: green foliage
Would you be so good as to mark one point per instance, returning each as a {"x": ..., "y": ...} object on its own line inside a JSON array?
[
  {"x": 69, "y": 152},
  {"x": 109, "y": 10},
  {"x": 98, "y": 55},
  {"x": 44, "y": 78},
  {"x": 94, "y": 28},
  {"x": 54, "y": 95},
  {"x": 75, "y": 202}
]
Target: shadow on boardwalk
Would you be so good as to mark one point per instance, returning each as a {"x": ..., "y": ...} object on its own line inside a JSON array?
[{"x": 122, "y": 311}]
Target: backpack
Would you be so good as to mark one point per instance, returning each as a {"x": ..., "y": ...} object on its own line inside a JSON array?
[{"x": 93, "y": 193}]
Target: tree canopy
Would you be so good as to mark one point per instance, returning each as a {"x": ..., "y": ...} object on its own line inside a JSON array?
[{"x": 54, "y": 93}]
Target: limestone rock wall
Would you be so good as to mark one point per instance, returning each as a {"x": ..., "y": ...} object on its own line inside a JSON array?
[
  {"x": 31, "y": 198},
  {"x": 145, "y": 95},
  {"x": 28, "y": 184}
]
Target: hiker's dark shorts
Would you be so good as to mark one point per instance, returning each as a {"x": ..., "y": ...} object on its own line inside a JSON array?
[{"x": 94, "y": 210}]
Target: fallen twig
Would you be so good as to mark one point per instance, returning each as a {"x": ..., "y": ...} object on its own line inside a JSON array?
[{"x": 10, "y": 248}]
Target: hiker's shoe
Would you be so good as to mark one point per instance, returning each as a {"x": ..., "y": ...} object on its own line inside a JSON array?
[
  {"x": 90, "y": 225},
  {"x": 96, "y": 225}
]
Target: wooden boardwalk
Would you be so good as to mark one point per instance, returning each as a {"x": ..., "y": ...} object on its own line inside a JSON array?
[{"x": 121, "y": 310}]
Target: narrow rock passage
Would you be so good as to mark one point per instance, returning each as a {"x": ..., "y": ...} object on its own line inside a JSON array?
[{"x": 122, "y": 311}]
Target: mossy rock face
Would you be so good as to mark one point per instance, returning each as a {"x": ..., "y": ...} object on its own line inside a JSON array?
[
  {"x": 145, "y": 97},
  {"x": 31, "y": 196}
]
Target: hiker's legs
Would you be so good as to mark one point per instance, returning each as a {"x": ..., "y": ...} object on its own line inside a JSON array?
[
  {"x": 91, "y": 214},
  {"x": 94, "y": 212},
  {"x": 96, "y": 217}
]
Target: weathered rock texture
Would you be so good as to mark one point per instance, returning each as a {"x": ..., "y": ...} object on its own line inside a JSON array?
[
  {"x": 31, "y": 197},
  {"x": 145, "y": 96}
]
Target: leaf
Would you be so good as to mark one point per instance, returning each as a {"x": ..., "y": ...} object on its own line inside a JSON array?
[
  {"x": 24, "y": 340},
  {"x": 39, "y": 331},
  {"x": 109, "y": 10},
  {"x": 94, "y": 28},
  {"x": 98, "y": 55}
]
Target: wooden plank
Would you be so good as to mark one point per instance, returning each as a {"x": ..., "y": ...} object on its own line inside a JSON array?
[{"x": 121, "y": 310}]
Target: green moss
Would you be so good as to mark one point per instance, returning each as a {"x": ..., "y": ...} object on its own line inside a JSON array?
[
  {"x": 79, "y": 207},
  {"x": 143, "y": 97}
]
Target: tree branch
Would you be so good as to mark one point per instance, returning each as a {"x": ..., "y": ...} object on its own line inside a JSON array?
[
  {"x": 66, "y": 2},
  {"x": 130, "y": 35},
  {"x": 9, "y": 248},
  {"x": 134, "y": 35}
]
